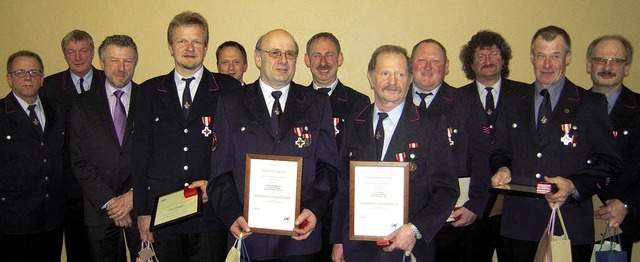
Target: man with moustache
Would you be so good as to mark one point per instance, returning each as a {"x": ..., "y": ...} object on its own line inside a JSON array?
[
  {"x": 402, "y": 129},
  {"x": 485, "y": 60},
  {"x": 62, "y": 88},
  {"x": 429, "y": 91},
  {"x": 609, "y": 61},
  {"x": 555, "y": 132},
  {"x": 32, "y": 189},
  {"x": 324, "y": 57},
  {"x": 231, "y": 59},
  {"x": 100, "y": 126},
  {"x": 271, "y": 116},
  {"x": 171, "y": 145}
]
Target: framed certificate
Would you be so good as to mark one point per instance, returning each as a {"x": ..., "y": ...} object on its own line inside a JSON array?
[
  {"x": 272, "y": 188},
  {"x": 378, "y": 199},
  {"x": 175, "y": 207},
  {"x": 522, "y": 190}
]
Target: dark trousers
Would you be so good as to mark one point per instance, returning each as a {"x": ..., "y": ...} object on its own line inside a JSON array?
[
  {"x": 460, "y": 244},
  {"x": 327, "y": 247},
  {"x": 76, "y": 235},
  {"x": 177, "y": 247},
  {"x": 44, "y": 246},
  {"x": 107, "y": 242},
  {"x": 303, "y": 258},
  {"x": 525, "y": 251}
]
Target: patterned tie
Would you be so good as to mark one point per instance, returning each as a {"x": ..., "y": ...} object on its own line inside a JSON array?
[
  {"x": 423, "y": 99},
  {"x": 544, "y": 111},
  {"x": 81, "y": 85},
  {"x": 276, "y": 111},
  {"x": 490, "y": 108},
  {"x": 186, "y": 97},
  {"x": 119, "y": 116},
  {"x": 379, "y": 135},
  {"x": 34, "y": 119}
]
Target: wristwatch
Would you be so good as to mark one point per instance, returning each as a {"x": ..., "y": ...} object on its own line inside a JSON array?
[{"x": 415, "y": 230}]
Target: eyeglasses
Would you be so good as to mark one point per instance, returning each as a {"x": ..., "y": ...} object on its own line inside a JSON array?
[
  {"x": 23, "y": 73},
  {"x": 276, "y": 54},
  {"x": 482, "y": 57},
  {"x": 612, "y": 61}
]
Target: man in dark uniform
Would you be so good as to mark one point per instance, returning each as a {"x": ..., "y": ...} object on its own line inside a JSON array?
[
  {"x": 61, "y": 89},
  {"x": 32, "y": 188},
  {"x": 555, "y": 132},
  {"x": 609, "y": 62},
  {"x": 275, "y": 116},
  {"x": 485, "y": 59},
  {"x": 429, "y": 91},
  {"x": 171, "y": 145},
  {"x": 403, "y": 131},
  {"x": 323, "y": 58}
]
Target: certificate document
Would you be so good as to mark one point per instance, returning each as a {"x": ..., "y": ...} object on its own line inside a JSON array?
[
  {"x": 378, "y": 199},
  {"x": 272, "y": 193},
  {"x": 175, "y": 207}
]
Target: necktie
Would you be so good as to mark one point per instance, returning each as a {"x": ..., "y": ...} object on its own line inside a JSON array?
[
  {"x": 544, "y": 111},
  {"x": 490, "y": 108},
  {"x": 119, "y": 116},
  {"x": 423, "y": 99},
  {"x": 82, "y": 86},
  {"x": 379, "y": 135},
  {"x": 34, "y": 119},
  {"x": 324, "y": 90},
  {"x": 186, "y": 97},
  {"x": 276, "y": 111}
]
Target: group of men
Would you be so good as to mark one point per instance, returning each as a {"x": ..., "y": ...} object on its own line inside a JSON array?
[{"x": 87, "y": 151}]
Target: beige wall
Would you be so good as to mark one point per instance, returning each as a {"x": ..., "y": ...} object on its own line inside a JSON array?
[{"x": 361, "y": 26}]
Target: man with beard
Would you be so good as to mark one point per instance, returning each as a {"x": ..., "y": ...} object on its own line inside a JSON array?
[
  {"x": 100, "y": 126},
  {"x": 171, "y": 145},
  {"x": 555, "y": 132},
  {"x": 391, "y": 129},
  {"x": 272, "y": 116},
  {"x": 485, "y": 59},
  {"x": 323, "y": 58},
  {"x": 430, "y": 92},
  {"x": 609, "y": 62}
]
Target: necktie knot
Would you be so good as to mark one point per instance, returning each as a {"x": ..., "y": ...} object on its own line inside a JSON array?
[
  {"x": 31, "y": 108},
  {"x": 382, "y": 116},
  {"x": 424, "y": 95},
  {"x": 188, "y": 80},
  {"x": 276, "y": 94},
  {"x": 81, "y": 85},
  {"x": 118, "y": 93},
  {"x": 324, "y": 90},
  {"x": 544, "y": 93},
  {"x": 489, "y": 89}
]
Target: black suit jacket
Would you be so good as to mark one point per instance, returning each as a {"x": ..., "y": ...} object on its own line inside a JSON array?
[
  {"x": 32, "y": 192},
  {"x": 433, "y": 188},
  {"x": 60, "y": 91},
  {"x": 592, "y": 157},
  {"x": 479, "y": 188},
  {"x": 467, "y": 141},
  {"x": 169, "y": 151},
  {"x": 344, "y": 101},
  {"x": 243, "y": 126},
  {"x": 625, "y": 117},
  {"x": 101, "y": 165}
]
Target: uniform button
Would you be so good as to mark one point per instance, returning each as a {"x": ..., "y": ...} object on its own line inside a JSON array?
[
  {"x": 538, "y": 175},
  {"x": 491, "y": 126},
  {"x": 412, "y": 156},
  {"x": 157, "y": 119},
  {"x": 3, "y": 199},
  {"x": 306, "y": 128},
  {"x": 242, "y": 129},
  {"x": 8, "y": 137},
  {"x": 149, "y": 188},
  {"x": 185, "y": 167},
  {"x": 625, "y": 132},
  {"x": 514, "y": 125},
  {"x": 455, "y": 131},
  {"x": 44, "y": 161},
  {"x": 46, "y": 178},
  {"x": 186, "y": 130},
  {"x": 589, "y": 161},
  {"x": 46, "y": 195},
  {"x": 539, "y": 155},
  {"x": 574, "y": 127},
  {"x": 350, "y": 153},
  {"x": 185, "y": 149}
]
